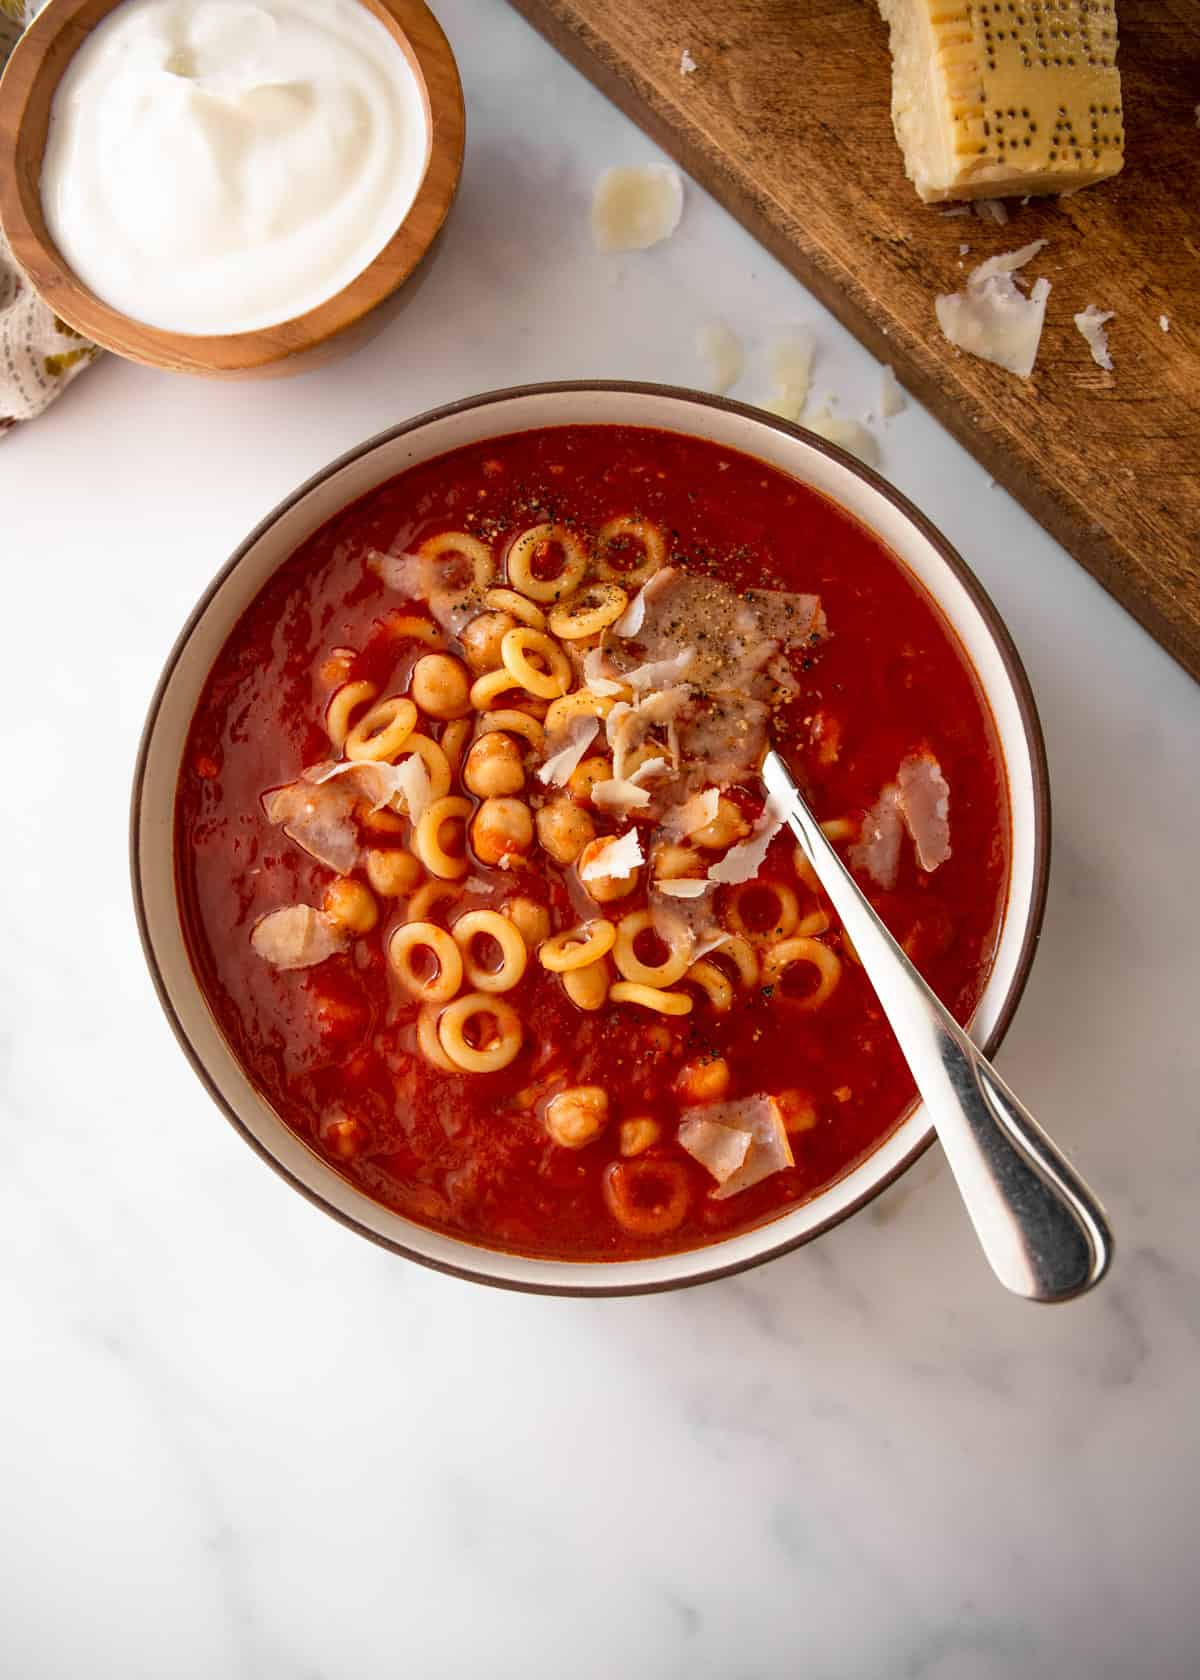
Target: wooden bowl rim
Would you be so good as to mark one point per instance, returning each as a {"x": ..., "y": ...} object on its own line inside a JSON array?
[{"x": 424, "y": 43}]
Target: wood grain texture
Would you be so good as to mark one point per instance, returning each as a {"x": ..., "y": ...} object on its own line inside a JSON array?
[
  {"x": 787, "y": 122},
  {"x": 339, "y": 324}
]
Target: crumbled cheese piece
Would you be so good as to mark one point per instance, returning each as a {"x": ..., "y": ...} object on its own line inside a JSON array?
[
  {"x": 298, "y": 937},
  {"x": 615, "y": 861},
  {"x": 687, "y": 64},
  {"x": 981, "y": 111},
  {"x": 847, "y": 434},
  {"x": 564, "y": 761},
  {"x": 993, "y": 319},
  {"x": 1091, "y": 324},
  {"x": 721, "y": 348},
  {"x": 892, "y": 400},
  {"x": 1164, "y": 323},
  {"x": 637, "y": 207}
]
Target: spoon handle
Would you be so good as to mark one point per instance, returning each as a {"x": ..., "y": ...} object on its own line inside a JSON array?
[{"x": 1042, "y": 1230}]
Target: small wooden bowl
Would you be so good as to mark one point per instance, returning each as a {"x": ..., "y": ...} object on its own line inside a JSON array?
[{"x": 339, "y": 324}]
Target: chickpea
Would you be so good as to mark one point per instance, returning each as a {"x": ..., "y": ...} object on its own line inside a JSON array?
[
  {"x": 494, "y": 766},
  {"x": 638, "y": 1135},
  {"x": 701, "y": 1082},
  {"x": 441, "y": 686},
  {"x": 564, "y": 830},
  {"x": 577, "y": 1116},
  {"x": 585, "y": 776},
  {"x": 501, "y": 828},
  {"x": 587, "y": 987},
  {"x": 727, "y": 826},
  {"x": 481, "y": 640},
  {"x": 351, "y": 904},
  {"x": 532, "y": 921},
  {"x": 345, "y": 1138},
  {"x": 604, "y": 888},
  {"x": 798, "y": 1110},
  {"x": 393, "y": 873},
  {"x": 674, "y": 863}
]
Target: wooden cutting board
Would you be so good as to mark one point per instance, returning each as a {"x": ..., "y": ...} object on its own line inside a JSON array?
[{"x": 786, "y": 121}]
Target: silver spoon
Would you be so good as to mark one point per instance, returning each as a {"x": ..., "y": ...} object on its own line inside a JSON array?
[{"x": 1043, "y": 1231}]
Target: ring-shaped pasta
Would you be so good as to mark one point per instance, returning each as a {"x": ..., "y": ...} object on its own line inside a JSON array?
[
  {"x": 454, "y": 742},
  {"x": 515, "y": 648},
  {"x": 674, "y": 966},
  {"x": 626, "y": 1186},
  {"x": 417, "y": 629},
  {"x": 805, "y": 870},
  {"x": 583, "y": 703},
  {"x": 783, "y": 924},
  {"x": 713, "y": 983},
  {"x": 521, "y": 557},
  {"x": 650, "y": 997},
  {"x": 411, "y": 937},
  {"x": 488, "y": 688},
  {"x": 517, "y": 606},
  {"x": 478, "y": 924},
  {"x": 585, "y": 943},
  {"x": 424, "y": 902},
  {"x": 499, "y": 1052},
  {"x": 483, "y": 561},
  {"x": 743, "y": 957},
  {"x": 437, "y": 765},
  {"x": 428, "y": 1042},
  {"x": 343, "y": 703},
  {"x": 380, "y": 735},
  {"x": 592, "y": 609},
  {"x": 654, "y": 549},
  {"x": 427, "y": 837},
  {"x": 514, "y": 723},
  {"x": 817, "y": 921},
  {"x": 827, "y": 963}
]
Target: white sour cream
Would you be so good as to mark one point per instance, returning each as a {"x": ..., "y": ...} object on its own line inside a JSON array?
[{"x": 217, "y": 166}]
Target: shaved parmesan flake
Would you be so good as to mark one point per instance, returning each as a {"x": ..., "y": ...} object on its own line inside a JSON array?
[
  {"x": 847, "y": 434},
  {"x": 319, "y": 819},
  {"x": 661, "y": 673},
  {"x": 892, "y": 400},
  {"x": 791, "y": 365},
  {"x": 619, "y": 795},
  {"x": 693, "y": 814},
  {"x": 634, "y": 616},
  {"x": 598, "y": 674},
  {"x": 443, "y": 582},
  {"x": 925, "y": 806},
  {"x": 684, "y": 887},
  {"x": 647, "y": 771},
  {"x": 877, "y": 850},
  {"x": 721, "y": 1150},
  {"x": 687, "y": 64},
  {"x": 635, "y": 208},
  {"x": 1164, "y": 323},
  {"x": 956, "y": 210},
  {"x": 786, "y": 406},
  {"x": 1090, "y": 322},
  {"x": 991, "y": 210},
  {"x": 758, "y": 1120},
  {"x": 616, "y": 861},
  {"x": 992, "y": 318},
  {"x": 614, "y": 723},
  {"x": 581, "y": 732},
  {"x": 743, "y": 861},
  {"x": 297, "y": 937},
  {"x": 722, "y": 350},
  {"x": 405, "y": 785}
]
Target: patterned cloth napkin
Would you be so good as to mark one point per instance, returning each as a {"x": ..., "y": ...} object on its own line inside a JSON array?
[{"x": 39, "y": 354}]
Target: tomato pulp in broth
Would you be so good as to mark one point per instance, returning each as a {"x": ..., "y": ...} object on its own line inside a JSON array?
[{"x": 334, "y": 1046}]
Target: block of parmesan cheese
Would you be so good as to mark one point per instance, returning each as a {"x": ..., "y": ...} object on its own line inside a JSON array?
[{"x": 992, "y": 100}]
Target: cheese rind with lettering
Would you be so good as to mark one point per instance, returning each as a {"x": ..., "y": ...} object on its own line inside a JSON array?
[{"x": 992, "y": 100}]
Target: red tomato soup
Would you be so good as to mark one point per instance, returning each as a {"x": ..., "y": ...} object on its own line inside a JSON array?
[{"x": 474, "y": 863}]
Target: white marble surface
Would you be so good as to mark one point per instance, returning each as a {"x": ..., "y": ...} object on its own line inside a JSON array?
[{"x": 238, "y": 1441}]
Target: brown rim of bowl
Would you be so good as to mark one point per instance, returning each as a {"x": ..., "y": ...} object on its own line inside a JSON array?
[
  {"x": 27, "y": 87},
  {"x": 1030, "y": 724}
]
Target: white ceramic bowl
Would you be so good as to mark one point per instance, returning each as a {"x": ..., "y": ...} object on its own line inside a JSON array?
[{"x": 808, "y": 459}]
